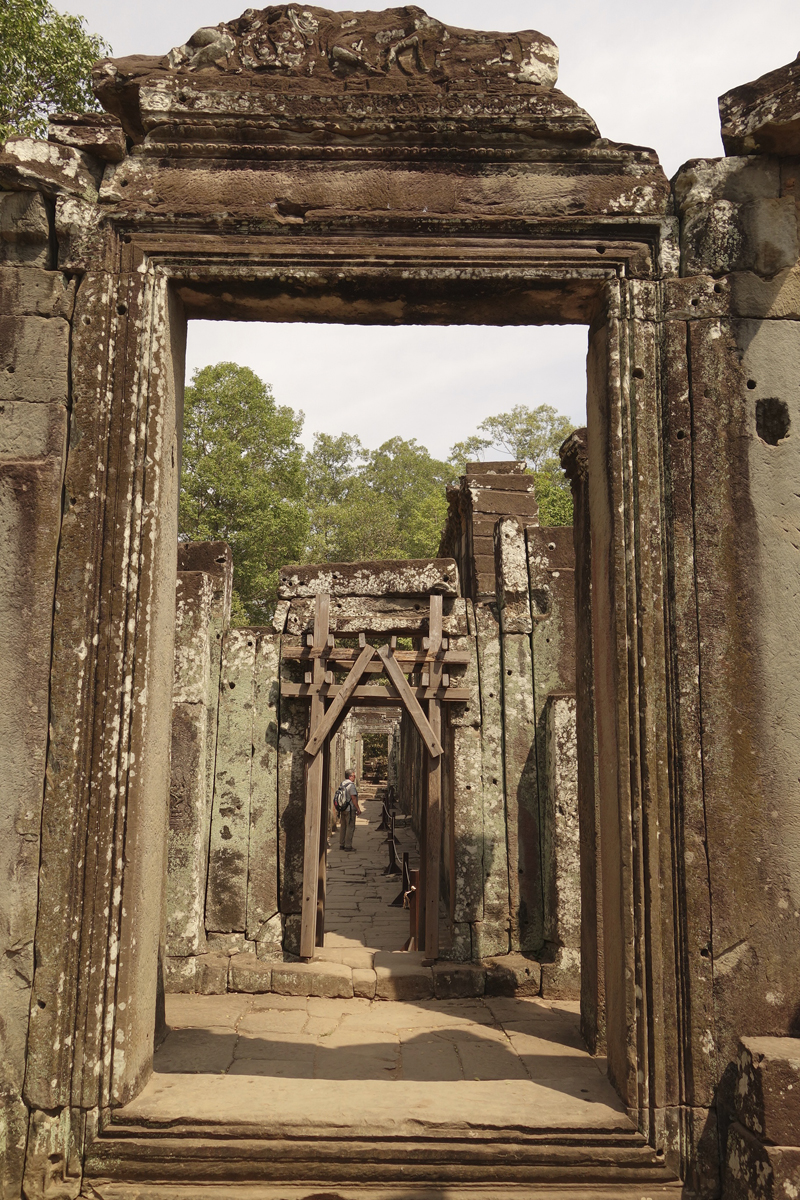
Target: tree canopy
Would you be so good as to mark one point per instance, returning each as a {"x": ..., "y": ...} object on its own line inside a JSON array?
[
  {"x": 532, "y": 435},
  {"x": 247, "y": 481},
  {"x": 384, "y": 503},
  {"x": 243, "y": 481},
  {"x": 45, "y": 61}
]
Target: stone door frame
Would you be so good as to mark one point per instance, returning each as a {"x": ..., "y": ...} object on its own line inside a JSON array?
[{"x": 104, "y": 826}]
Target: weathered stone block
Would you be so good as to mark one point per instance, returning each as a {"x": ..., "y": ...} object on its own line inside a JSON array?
[
  {"x": 211, "y": 977},
  {"x": 763, "y": 116},
  {"x": 512, "y": 975},
  {"x": 365, "y": 982},
  {"x": 759, "y": 236},
  {"x": 26, "y": 163},
  {"x": 511, "y": 569},
  {"x": 421, "y": 577},
  {"x": 180, "y": 974},
  {"x": 26, "y": 343},
  {"x": 227, "y": 943},
  {"x": 247, "y": 974},
  {"x": 24, "y": 229},
  {"x": 768, "y": 1089},
  {"x": 98, "y": 134},
  {"x": 452, "y": 981},
  {"x": 269, "y": 939},
  {"x": 738, "y": 180},
  {"x": 396, "y": 980},
  {"x": 383, "y": 615},
  {"x": 753, "y": 1171},
  {"x": 332, "y": 979},
  {"x": 29, "y": 292},
  {"x": 293, "y": 979}
]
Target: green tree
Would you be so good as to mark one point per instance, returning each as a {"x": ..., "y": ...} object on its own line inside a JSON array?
[
  {"x": 532, "y": 435},
  {"x": 384, "y": 503},
  {"x": 45, "y": 61},
  {"x": 414, "y": 483},
  {"x": 243, "y": 481}
]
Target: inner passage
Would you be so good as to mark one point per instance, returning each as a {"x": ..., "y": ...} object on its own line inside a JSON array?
[
  {"x": 368, "y": 897},
  {"x": 410, "y": 617}
]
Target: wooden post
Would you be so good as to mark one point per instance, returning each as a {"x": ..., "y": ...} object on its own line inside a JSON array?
[
  {"x": 433, "y": 831},
  {"x": 314, "y": 774}
]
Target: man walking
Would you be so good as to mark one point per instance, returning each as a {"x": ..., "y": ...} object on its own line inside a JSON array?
[{"x": 348, "y": 808}]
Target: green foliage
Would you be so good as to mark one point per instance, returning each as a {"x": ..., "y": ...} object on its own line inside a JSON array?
[
  {"x": 532, "y": 435},
  {"x": 45, "y": 60},
  {"x": 384, "y": 503},
  {"x": 243, "y": 481}
]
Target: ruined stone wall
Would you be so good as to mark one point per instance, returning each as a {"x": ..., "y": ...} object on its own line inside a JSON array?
[
  {"x": 35, "y": 308},
  {"x": 521, "y": 580}
]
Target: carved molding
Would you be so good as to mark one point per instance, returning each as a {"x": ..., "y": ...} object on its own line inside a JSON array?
[{"x": 290, "y": 40}]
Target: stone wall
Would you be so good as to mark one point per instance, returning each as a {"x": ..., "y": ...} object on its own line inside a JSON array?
[
  {"x": 493, "y": 199},
  {"x": 520, "y": 581}
]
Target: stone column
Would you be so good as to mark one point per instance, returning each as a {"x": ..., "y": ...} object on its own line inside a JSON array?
[
  {"x": 561, "y": 852},
  {"x": 34, "y": 330},
  {"x": 262, "y": 872},
  {"x": 574, "y": 459},
  {"x": 226, "y": 897},
  {"x": 190, "y": 801},
  {"x": 519, "y": 738},
  {"x": 551, "y": 576}
]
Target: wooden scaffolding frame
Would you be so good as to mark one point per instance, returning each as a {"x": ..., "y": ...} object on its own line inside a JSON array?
[{"x": 436, "y": 689}]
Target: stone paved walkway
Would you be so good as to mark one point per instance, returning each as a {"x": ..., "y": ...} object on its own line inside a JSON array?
[
  {"x": 297, "y": 1037},
  {"x": 358, "y": 895}
]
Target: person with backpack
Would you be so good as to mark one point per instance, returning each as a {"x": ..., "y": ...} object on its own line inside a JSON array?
[{"x": 346, "y": 804}]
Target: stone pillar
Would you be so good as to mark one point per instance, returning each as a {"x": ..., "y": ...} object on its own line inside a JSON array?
[
  {"x": 262, "y": 871},
  {"x": 551, "y": 579},
  {"x": 561, "y": 977},
  {"x": 226, "y": 896},
  {"x": 291, "y": 812},
  {"x": 192, "y": 740},
  {"x": 574, "y": 459},
  {"x": 491, "y": 934},
  {"x": 523, "y": 832},
  {"x": 34, "y": 330}
]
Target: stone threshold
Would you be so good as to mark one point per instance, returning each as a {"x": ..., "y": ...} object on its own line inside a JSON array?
[{"x": 344, "y": 973}]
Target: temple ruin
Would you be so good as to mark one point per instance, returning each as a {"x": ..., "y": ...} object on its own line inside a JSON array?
[{"x": 594, "y": 731}]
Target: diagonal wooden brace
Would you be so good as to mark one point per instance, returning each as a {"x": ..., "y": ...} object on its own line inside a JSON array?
[
  {"x": 322, "y": 730},
  {"x": 410, "y": 700}
]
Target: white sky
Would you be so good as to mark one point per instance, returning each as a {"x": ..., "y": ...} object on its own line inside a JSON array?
[{"x": 648, "y": 72}]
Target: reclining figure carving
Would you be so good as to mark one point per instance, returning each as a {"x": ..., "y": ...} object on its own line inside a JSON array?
[{"x": 291, "y": 40}]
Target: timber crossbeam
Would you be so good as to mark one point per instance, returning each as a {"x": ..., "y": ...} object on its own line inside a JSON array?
[{"x": 375, "y": 693}]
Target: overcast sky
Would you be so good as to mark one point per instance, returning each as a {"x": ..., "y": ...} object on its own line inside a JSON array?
[{"x": 649, "y": 73}]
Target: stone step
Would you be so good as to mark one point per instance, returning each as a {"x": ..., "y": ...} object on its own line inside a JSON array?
[
  {"x": 241, "y": 1128},
  {"x": 396, "y": 975},
  {"x": 115, "y": 1190}
]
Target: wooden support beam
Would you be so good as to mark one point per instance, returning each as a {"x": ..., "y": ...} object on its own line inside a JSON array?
[
  {"x": 408, "y": 659},
  {"x": 314, "y": 781},
  {"x": 375, "y": 693},
  {"x": 343, "y": 694},
  {"x": 410, "y": 701},
  {"x": 433, "y": 833}
]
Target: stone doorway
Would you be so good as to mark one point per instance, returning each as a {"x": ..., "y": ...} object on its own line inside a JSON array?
[{"x": 494, "y": 200}]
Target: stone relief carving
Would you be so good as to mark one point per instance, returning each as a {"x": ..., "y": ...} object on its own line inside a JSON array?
[{"x": 290, "y": 40}]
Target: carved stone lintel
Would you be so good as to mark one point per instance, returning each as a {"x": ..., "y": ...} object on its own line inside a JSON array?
[{"x": 286, "y": 39}]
